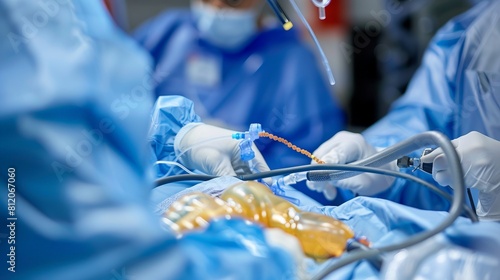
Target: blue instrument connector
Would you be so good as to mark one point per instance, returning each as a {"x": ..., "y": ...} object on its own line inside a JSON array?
[
  {"x": 248, "y": 137},
  {"x": 246, "y": 151},
  {"x": 247, "y": 154}
]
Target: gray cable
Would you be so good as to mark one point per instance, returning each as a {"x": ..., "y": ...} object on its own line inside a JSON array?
[
  {"x": 387, "y": 155},
  {"x": 405, "y": 147},
  {"x": 344, "y": 167}
]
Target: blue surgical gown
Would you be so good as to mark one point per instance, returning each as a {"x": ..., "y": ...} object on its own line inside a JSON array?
[
  {"x": 274, "y": 81},
  {"x": 75, "y": 98},
  {"x": 455, "y": 91},
  {"x": 471, "y": 250}
]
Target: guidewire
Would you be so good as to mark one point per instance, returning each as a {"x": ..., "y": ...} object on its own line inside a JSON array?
[{"x": 167, "y": 162}]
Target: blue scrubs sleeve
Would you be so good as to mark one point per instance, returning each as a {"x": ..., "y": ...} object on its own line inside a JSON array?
[
  {"x": 170, "y": 114},
  {"x": 428, "y": 104}
]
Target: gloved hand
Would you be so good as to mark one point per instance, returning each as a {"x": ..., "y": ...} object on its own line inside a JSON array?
[
  {"x": 346, "y": 147},
  {"x": 480, "y": 159},
  {"x": 211, "y": 150}
]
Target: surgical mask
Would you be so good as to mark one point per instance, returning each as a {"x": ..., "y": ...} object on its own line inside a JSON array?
[{"x": 229, "y": 29}]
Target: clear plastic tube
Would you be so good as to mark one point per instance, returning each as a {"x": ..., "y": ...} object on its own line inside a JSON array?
[
  {"x": 325, "y": 62},
  {"x": 294, "y": 178},
  {"x": 176, "y": 164},
  {"x": 321, "y": 4}
]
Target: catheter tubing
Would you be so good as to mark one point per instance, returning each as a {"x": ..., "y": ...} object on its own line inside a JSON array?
[
  {"x": 324, "y": 60},
  {"x": 390, "y": 154}
]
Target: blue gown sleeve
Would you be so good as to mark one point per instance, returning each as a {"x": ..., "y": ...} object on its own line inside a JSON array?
[
  {"x": 428, "y": 104},
  {"x": 74, "y": 118},
  {"x": 170, "y": 114}
]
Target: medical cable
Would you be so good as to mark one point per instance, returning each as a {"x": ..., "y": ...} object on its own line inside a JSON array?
[
  {"x": 416, "y": 163},
  {"x": 183, "y": 177},
  {"x": 426, "y": 138},
  {"x": 324, "y": 60},
  {"x": 301, "y": 169},
  {"x": 376, "y": 261},
  {"x": 386, "y": 156}
]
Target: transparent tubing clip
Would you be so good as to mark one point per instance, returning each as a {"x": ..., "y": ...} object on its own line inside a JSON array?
[
  {"x": 321, "y": 4},
  {"x": 248, "y": 155}
]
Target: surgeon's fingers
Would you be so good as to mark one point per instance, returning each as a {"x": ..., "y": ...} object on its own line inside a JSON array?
[
  {"x": 332, "y": 150},
  {"x": 366, "y": 184},
  {"x": 316, "y": 186},
  {"x": 437, "y": 152},
  {"x": 326, "y": 187},
  {"x": 330, "y": 144},
  {"x": 319, "y": 186},
  {"x": 357, "y": 184},
  {"x": 330, "y": 192},
  {"x": 221, "y": 167},
  {"x": 349, "y": 147},
  {"x": 440, "y": 170},
  {"x": 326, "y": 152},
  {"x": 429, "y": 158},
  {"x": 259, "y": 164}
]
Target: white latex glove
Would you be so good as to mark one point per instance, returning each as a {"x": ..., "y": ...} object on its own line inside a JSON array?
[
  {"x": 346, "y": 147},
  {"x": 220, "y": 156},
  {"x": 480, "y": 159}
]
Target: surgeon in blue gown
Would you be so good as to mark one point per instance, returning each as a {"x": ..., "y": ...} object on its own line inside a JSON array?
[
  {"x": 75, "y": 98},
  {"x": 455, "y": 91},
  {"x": 241, "y": 68}
]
